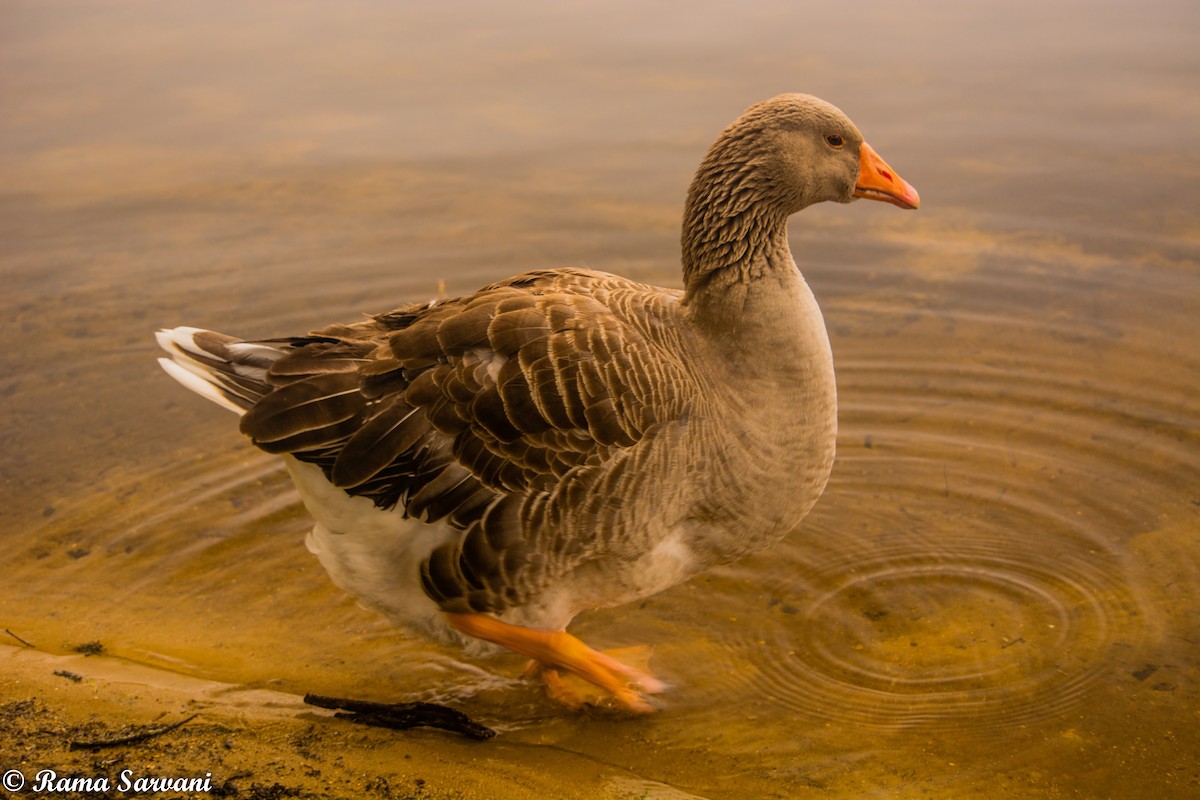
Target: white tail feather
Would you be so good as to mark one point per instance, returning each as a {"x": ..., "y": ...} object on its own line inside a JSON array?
[
  {"x": 175, "y": 340},
  {"x": 194, "y": 378},
  {"x": 219, "y": 371}
]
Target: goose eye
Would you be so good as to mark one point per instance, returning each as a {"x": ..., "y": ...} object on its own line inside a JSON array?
[{"x": 834, "y": 140}]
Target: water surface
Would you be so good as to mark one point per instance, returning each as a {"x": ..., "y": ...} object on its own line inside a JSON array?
[{"x": 998, "y": 594}]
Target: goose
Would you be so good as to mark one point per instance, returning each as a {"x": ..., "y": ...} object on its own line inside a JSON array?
[{"x": 482, "y": 469}]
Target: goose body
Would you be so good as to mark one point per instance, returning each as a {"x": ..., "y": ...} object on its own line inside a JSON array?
[{"x": 493, "y": 464}]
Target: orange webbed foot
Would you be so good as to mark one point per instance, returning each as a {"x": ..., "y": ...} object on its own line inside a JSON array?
[
  {"x": 576, "y": 692},
  {"x": 558, "y": 650}
]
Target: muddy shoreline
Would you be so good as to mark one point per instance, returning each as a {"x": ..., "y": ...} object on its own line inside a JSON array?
[{"x": 248, "y": 742}]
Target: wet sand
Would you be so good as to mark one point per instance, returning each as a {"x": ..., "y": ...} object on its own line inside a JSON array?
[{"x": 244, "y": 742}]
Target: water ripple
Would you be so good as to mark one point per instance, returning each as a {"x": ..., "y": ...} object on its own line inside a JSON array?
[
  {"x": 913, "y": 638},
  {"x": 889, "y": 632}
]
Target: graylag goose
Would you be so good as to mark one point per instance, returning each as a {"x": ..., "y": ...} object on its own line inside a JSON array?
[{"x": 489, "y": 466}]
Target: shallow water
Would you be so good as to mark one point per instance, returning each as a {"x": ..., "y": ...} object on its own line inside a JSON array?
[{"x": 997, "y": 595}]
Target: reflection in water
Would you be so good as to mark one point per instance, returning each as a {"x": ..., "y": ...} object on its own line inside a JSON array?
[{"x": 1003, "y": 577}]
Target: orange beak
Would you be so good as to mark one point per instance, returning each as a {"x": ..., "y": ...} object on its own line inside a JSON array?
[{"x": 878, "y": 181}]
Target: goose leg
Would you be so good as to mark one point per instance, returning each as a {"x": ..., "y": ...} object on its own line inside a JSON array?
[{"x": 554, "y": 650}]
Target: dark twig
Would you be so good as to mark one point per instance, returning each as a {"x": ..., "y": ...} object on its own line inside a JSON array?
[
  {"x": 401, "y": 716},
  {"x": 133, "y": 738},
  {"x": 18, "y": 638}
]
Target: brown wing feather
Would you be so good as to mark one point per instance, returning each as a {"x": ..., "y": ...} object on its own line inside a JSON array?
[{"x": 495, "y": 412}]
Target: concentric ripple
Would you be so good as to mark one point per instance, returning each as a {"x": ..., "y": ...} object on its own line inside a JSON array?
[
  {"x": 907, "y": 639},
  {"x": 981, "y": 633}
]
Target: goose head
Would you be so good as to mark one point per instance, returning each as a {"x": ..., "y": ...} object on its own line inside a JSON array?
[
  {"x": 780, "y": 156},
  {"x": 795, "y": 150}
]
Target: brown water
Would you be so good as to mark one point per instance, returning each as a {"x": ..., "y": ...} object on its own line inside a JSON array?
[{"x": 998, "y": 595}]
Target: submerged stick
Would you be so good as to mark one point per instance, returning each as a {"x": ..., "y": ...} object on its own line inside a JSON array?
[
  {"x": 401, "y": 716},
  {"x": 133, "y": 738},
  {"x": 18, "y": 638}
]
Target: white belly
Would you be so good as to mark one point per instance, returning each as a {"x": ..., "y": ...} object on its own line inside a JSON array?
[{"x": 371, "y": 553}]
